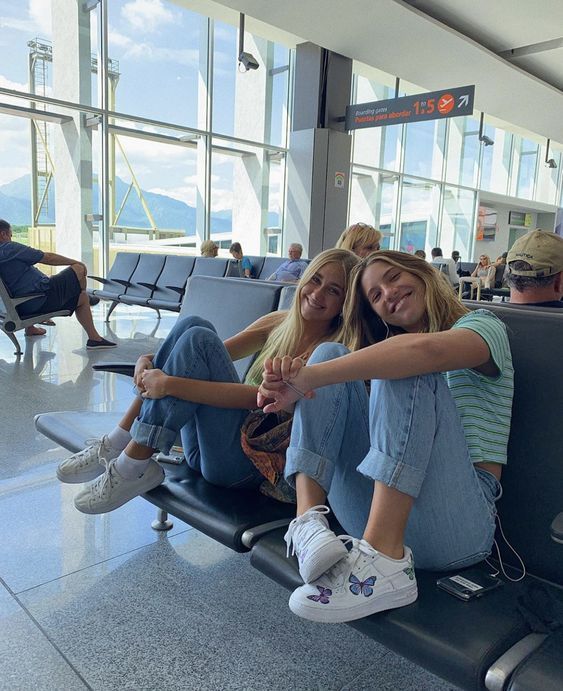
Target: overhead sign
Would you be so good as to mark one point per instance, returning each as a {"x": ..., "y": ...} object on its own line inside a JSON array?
[{"x": 432, "y": 105}]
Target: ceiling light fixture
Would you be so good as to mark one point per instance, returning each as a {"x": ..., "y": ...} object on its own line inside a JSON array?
[
  {"x": 487, "y": 141},
  {"x": 549, "y": 162},
  {"x": 246, "y": 61}
]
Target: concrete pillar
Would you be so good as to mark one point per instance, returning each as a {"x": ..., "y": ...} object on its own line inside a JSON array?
[
  {"x": 73, "y": 142},
  {"x": 318, "y": 173}
]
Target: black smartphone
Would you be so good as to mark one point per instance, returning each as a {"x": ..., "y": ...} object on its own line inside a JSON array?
[{"x": 469, "y": 584}]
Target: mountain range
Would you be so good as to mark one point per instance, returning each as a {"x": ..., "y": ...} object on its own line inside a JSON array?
[{"x": 15, "y": 207}]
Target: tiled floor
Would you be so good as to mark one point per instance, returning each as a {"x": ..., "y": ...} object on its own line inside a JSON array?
[{"x": 104, "y": 602}]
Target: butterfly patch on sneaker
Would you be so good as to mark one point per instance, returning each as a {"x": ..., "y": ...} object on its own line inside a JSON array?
[
  {"x": 410, "y": 572},
  {"x": 323, "y": 597},
  {"x": 364, "y": 588}
]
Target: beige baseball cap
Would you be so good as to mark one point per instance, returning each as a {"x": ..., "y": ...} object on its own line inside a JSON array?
[{"x": 542, "y": 249}]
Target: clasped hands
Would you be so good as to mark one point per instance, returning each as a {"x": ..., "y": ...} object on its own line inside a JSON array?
[
  {"x": 150, "y": 383},
  {"x": 284, "y": 381}
]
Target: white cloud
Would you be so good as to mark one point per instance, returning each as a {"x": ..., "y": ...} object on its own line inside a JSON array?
[
  {"x": 17, "y": 25},
  {"x": 6, "y": 83},
  {"x": 146, "y": 15},
  {"x": 186, "y": 194},
  {"x": 14, "y": 144},
  {"x": 150, "y": 52},
  {"x": 40, "y": 14}
]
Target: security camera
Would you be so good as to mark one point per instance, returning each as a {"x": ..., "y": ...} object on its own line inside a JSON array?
[
  {"x": 550, "y": 163},
  {"x": 248, "y": 61},
  {"x": 487, "y": 141}
]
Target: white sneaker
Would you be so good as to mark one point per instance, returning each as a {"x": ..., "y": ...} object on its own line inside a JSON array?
[
  {"x": 111, "y": 490},
  {"x": 316, "y": 546},
  {"x": 88, "y": 463},
  {"x": 363, "y": 583}
]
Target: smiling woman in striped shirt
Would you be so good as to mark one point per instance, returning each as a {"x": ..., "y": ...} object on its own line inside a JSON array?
[{"x": 417, "y": 464}]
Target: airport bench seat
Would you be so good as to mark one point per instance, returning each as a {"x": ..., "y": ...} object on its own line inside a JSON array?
[
  {"x": 456, "y": 640},
  {"x": 171, "y": 284},
  {"x": 143, "y": 280},
  {"x": 10, "y": 320},
  {"x": 461, "y": 642}
]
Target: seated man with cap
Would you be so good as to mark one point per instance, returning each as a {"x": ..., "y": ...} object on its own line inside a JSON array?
[{"x": 534, "y": 269}]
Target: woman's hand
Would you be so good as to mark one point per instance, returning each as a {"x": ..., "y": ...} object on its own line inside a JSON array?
[
  {"x": 142, "y": 364},
  {"x": 153, "y": 382},
  {"x": 283, "y": 383}
]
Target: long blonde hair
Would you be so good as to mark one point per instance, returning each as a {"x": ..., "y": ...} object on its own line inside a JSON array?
[
  {"x": 285, "y": 338},
  {"x": 362, "y": 326},
  {"x": 357, "y": 235}
]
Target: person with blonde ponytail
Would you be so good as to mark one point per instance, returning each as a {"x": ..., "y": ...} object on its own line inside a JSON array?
[
  {"x": 191, "y": 387},
  {"x": 418, "y": 463}
]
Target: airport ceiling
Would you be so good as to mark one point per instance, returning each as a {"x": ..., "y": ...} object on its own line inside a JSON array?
[{"x": 512, "y": 50}]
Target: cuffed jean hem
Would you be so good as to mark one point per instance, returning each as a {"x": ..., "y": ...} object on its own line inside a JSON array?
[
  {"x": 391, "y": 472},
  {"x": 314, "y": 466},
  {"x": 154, "y": 436}
]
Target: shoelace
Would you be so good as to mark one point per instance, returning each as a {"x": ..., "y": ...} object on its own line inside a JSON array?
[
  {"x": 300, "y": 522},
  {"x": 106, "y": 481},
  {"x": 343, "y": 567},
  {"x": 83, "y": 455}
]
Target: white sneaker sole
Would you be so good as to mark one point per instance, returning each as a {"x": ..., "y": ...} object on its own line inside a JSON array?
[
  {"x": 145, "y": 484},
  {"x": 76, "y": 479},
  {"x": 326, "y": 614}
]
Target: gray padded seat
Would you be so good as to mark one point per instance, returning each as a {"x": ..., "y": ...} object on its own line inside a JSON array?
[
  {"x": 118, "y": 277},
  {"x": 230, "y": 305},
  {"x": 467, "y": 266},
  {"x": 270, "y": 265},
  {"x": 210, "y": 266},
  {"x": 257, "y": 264},
  {"x": 171, "y": 284},
  {"x": 286, "y": 297},
  {"x": 143, "y": 280},
  {"x": 459, "y": 641}
]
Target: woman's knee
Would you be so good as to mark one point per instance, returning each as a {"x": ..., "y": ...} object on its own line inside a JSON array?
[
  {"x": 186, "y": 323},
  {"x": 327, "y": 351}
]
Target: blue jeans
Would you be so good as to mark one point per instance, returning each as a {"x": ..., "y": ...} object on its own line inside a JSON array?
[
  {"x": 210, "y": 436},
  {"x": 409, "y": 436}
]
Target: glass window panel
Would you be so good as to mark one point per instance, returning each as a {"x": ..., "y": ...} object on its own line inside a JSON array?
[
  {"x": 22, "y": 23},
  {"x": 495, "y": 161},
  {"x": 249, "y": 105},
  {"x": 546, "y": 188},
  {"x": 424, "y": 148},
  {"x": 376, "y": 146},
  {"x": 419, "y": 215},
  {"x": 373, "y": 198},
  {"x": 457, "y": 221},
  {"x": 463, "y": 151},
  {"x": 246, "y": 194},
  {"x": 526, "y": 168},
  {"x": 158, "y": 46},
  {"x": 155, "y": 192}
]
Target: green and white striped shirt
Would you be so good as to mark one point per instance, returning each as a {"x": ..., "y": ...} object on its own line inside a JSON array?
[{"x": 485, "y": 403}]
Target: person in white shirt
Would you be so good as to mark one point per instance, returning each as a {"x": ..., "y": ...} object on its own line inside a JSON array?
[{"x": 440, "y": 261}]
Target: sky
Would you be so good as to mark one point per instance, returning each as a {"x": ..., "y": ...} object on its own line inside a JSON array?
[{"x": 157, "y": 46}]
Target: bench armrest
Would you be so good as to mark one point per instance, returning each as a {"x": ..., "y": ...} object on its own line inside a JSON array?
[
  {"x": 25, "y": 298},
  {"x": 152, "y": 286},
  {"x": 126, "y": 368},
  {"x": 176, "y": 289},
  {"x": 122, "y": 282},
  {"x": 98, "y": 278}
]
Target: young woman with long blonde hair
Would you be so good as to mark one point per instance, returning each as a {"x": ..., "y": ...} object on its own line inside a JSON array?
[
  {"x": 417, "y": 464},
  {"x": 191, "y": 387}
]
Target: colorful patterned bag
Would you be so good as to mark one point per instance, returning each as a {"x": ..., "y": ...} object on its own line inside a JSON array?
[{"x": 264, "y": 438}]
